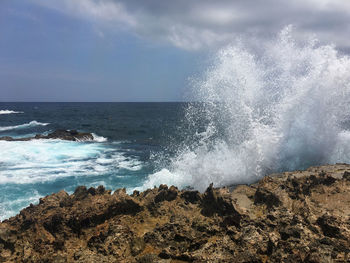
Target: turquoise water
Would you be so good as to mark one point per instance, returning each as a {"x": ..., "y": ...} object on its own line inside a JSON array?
[{"x": 127, "y": 136}]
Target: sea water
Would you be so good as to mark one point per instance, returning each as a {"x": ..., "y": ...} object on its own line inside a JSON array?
[
  {"x": 282, "y": 105},
  {"x": 127, "y": 136}
]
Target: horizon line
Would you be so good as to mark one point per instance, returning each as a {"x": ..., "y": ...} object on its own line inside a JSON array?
[{"x": 95, "y": 101}]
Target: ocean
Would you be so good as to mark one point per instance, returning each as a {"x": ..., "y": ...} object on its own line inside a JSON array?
[
  {"x": 127, "y": 136},
  {"x": 281, "y": 106}
]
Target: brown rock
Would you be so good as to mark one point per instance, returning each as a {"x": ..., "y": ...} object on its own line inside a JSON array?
[
  {"x": 329, "y": 226},
  {"x": 166, "y": 194},
  {"x": 301, "y": 216},
  {"x": 263, "y": 196}
]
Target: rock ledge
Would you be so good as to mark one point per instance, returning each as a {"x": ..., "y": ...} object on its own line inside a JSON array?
[{"x": 301, "y": 216}]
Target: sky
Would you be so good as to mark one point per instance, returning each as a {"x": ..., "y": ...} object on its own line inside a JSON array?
[{"x": 144, "y": 50}]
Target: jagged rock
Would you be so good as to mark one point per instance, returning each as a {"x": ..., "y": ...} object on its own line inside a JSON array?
[
  {"x": 101, "y": 190},
  {"x": 301, "y": 216},
  {"x": 81, "y": 192},
  {"x": 218, "y": 201},
  {"x": 263, "y": 196},
  {"x": 328, "y": 226},
  {"x": 7, "y": 239},
  {"x": 71, "y": 135},
  {"x": 289, "y": 232},
  {"x": 137, "y": 245},
  {"x": 166, "y": 194},
  {"x": 191, "y": 196},
  {"x": 346, "y": 175}
]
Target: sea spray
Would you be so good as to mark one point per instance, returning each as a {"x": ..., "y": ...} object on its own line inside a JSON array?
[{"x": 282, "y": 108}]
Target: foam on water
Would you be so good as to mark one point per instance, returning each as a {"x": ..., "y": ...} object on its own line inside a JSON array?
[
  {"x": 32, "y": 169},
  {"x": 23, "y": 126},
  {"x": 10, "y": 206},
  {"x": 38, "y": 161},
  {"x": 98, "y": 138},
  {"x": 282, "y": 108},
  {"x": 9, "y": 112}
]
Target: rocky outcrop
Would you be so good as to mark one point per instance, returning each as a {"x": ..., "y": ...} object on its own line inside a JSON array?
[
  {"x": 71, "y": 135},
  {"x": 301, "y": 216}
]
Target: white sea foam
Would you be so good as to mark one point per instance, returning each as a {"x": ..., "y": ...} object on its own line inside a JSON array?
[
  {"x": 23, "y": 126},
  {"x": 17, "y": 204},
  {"x": 127, "y": 163},
  {"x": 281, "y": 109},
  {"x": 47, "y": 160},
  {"x": 99, "y": 138},
  {"x": 9, "y": 112}
]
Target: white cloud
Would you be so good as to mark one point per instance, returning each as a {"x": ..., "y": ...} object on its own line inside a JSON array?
[{"x": 196, "y": 24}]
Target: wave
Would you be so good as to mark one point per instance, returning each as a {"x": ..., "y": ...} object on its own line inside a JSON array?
[
  {"x": 284, "y": 107},
  {"x": 24, "y": 126},
  {"x": 37, "y": 161},
  {"x": 10, "y": 206},
  {"x": 9, "y": 112},
  {"x": 32, "y": 169},
  {"x": 95, "y": 138},
  {"x": 99, "y": 138}
]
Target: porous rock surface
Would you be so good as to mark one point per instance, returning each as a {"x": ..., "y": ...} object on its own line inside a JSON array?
[{"x": 301, "y": 216}]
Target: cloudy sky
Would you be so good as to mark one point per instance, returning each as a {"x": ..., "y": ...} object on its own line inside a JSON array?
[{"x": 128, "y": 50}]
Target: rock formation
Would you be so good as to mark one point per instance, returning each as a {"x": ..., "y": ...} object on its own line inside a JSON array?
[
  {"x": 301, "y": 216},
  {"x": 71, "y": 135}
]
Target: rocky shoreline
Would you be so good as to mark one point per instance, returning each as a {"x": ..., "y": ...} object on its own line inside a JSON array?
[{"x": 301, "y": 216}]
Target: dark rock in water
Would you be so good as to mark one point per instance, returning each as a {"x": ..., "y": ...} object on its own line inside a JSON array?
[
  {"x": 8, "y": 138},
  {"x": 71, "y": 135},
  {"x": 301, "y": 216}
]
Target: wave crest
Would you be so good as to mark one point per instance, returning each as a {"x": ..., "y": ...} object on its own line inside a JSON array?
[
  {"x": 9, "y": 112},
  {"x": 282, "y": 109},
  {"x": 24, "y": 126},
  {"x": 99, "y": 138}
]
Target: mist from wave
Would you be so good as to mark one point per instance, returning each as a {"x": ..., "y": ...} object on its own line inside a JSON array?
[{"x": 282, "y": 108}]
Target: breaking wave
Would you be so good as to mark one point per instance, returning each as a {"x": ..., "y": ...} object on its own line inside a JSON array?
[
  {"x": 23, "y": 126},
  {"x": 37, "y": 161},
  {"x": 99, "y": 138},
  {"x": 285, "y": 107},
  {"x": 9, "y": 112}
]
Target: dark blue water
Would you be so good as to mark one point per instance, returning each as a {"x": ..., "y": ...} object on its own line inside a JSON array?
[{"x": 130, "y": 139}]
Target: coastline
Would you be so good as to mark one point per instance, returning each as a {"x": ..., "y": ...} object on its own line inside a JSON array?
[{"x": 300, "y": 216}]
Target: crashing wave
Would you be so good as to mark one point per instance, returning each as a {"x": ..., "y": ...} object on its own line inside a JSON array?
[
  {"x": 282, "y": 108},
  {"x": 99, "y": 138}
]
